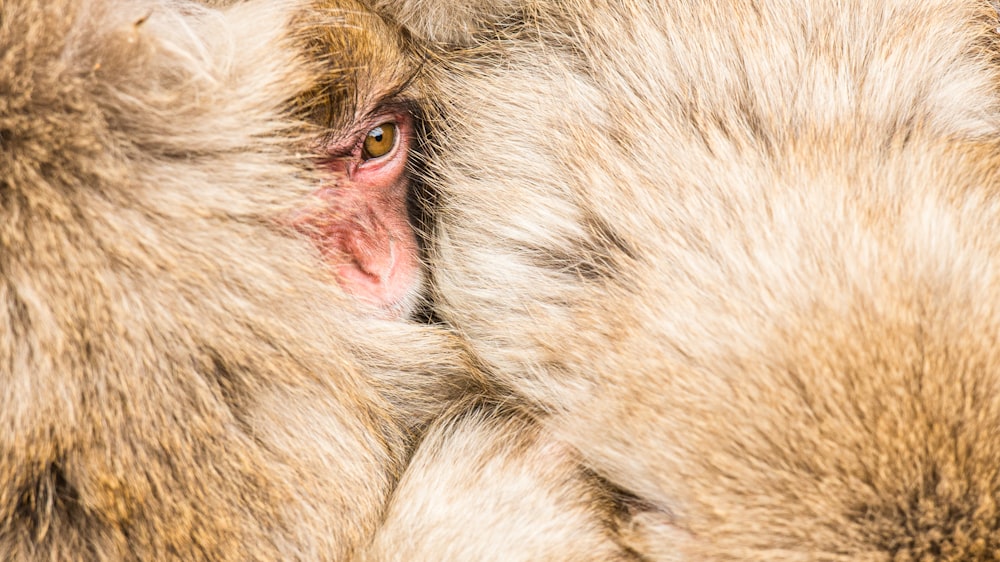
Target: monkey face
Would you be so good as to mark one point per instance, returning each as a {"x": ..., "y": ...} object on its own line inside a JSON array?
[{"x": 360, "y": 219}]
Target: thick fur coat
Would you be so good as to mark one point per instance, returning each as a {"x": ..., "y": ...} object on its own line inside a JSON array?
[
  {"x": 180, "y": 378},
  {"x": 743, "y": 255}
]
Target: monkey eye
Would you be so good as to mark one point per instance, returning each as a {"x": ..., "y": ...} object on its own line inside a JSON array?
[{"x": 379, "y": 141}]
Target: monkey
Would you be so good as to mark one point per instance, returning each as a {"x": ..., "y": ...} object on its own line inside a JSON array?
[
  {"x": 366, "y": 131},
  {"x": 486, "y": 482},
  {"x": 182, "y": 377},
  {"x": 205, "y": 278},
  {"x": 525, "y": 492},
  {"x": 740, "y": 255}
]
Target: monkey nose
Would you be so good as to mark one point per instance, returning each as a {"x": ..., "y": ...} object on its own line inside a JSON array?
[
  {"x": 372, "y": 250},
  {"x": 383, "y": 266}
]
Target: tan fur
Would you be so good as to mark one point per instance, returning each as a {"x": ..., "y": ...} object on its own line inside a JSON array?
[
  {"x": 743, "y": 252},
  {"x": 484, "y": 484},
  {"x": 180, "y": 379},
  {"x": 487, "y": 485},
  {"x": 457, "y": 21}
]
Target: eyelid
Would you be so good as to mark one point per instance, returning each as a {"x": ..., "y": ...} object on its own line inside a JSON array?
[{"x": 349, "y": 147}]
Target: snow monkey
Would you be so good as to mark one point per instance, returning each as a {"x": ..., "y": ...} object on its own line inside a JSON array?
[
  {"x": 180, "y": 376},
  {"x": 744, "y": 254},
  {"x": 191, "y": 198},
  {"x": 486, "y": 482},
  {"x": 366, "y": 132}
]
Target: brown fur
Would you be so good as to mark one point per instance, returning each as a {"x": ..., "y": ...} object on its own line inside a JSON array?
[
  {"x": 179, "y": 377},
  {"x": 369, "y": 63},
  {"x": 182, "y": 380},
  {"x": 742, "y": 253}
]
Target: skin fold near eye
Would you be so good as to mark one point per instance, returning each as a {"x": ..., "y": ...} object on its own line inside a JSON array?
[{"x": 379, "y": 141}]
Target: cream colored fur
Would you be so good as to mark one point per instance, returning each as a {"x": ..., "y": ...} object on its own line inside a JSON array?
[
  {"x": 744, "y": 254},
  {"x": 490, "y": 486}
]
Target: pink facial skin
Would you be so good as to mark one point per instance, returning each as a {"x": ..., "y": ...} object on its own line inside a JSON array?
[{"x": 361, "y": 224}]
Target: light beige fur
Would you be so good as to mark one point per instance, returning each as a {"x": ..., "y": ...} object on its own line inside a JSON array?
[
  {"x": 491, "y": 486},
  {"x": 744, "y": 254}
]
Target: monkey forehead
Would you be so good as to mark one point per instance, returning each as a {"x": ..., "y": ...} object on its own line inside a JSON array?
[{"x": 364, "y": 61}]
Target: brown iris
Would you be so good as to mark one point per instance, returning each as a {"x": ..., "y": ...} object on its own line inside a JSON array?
[{"x": 379, "y": 141}]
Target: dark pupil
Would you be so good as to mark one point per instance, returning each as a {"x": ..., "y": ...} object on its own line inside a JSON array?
[{"x": 376, "y": 134}]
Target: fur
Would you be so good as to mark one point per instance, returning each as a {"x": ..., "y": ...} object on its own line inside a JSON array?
[
  {"x": 742, "y": 255},
  {"x": 179, "y": 377},
  {"x": 487, "y": 484}
]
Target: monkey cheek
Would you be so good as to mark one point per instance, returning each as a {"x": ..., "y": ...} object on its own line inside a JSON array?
[{"x": 368, "y": 244}]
